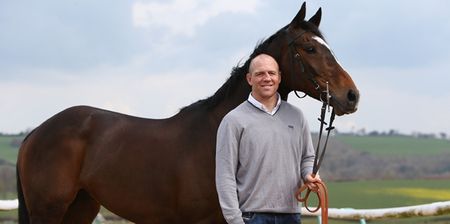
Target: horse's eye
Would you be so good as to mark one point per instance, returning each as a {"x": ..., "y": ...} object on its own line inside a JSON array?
[{"x": 310, "y": 50}]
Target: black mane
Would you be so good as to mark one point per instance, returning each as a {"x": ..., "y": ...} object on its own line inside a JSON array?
[{"x": 239, "y": 71}]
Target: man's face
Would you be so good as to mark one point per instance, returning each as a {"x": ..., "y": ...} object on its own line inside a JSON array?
[{"x": 264, "y": 77}]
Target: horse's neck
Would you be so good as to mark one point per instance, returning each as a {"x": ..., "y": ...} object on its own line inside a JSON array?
[
  {"x": 208, "y": 113},
  {"x": 232, "y": 100}
]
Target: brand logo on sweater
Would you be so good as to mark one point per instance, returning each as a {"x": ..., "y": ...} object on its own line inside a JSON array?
[{"x": 291, "y": 126}]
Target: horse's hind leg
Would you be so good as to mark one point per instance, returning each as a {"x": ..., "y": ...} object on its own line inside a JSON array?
[
  {"x": 44, "y": 211},
  {"x": 82, "y": 210}
]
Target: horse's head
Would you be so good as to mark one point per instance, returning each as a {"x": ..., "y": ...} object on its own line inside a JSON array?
[{"x": 307, "y": 64}]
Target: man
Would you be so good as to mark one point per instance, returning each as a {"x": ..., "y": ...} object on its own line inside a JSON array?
[{"x": 264, "y": 151}]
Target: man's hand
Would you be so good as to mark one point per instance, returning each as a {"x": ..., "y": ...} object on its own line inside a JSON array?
[{"x": 311, "y": 181}]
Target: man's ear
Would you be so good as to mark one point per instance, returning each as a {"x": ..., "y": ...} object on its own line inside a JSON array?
[{"x": 249, "y": 78}]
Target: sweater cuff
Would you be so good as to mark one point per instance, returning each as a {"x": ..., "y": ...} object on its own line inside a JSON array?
[
  {"x": 236, "y": 220},
  {"x": 306, "y": 171}
]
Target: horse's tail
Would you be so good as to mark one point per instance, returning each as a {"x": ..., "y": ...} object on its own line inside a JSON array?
[{"x": 23, "y": 211}]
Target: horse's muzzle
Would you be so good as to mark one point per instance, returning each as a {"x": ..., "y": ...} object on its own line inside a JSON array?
[{"x": 346, "y": 104}]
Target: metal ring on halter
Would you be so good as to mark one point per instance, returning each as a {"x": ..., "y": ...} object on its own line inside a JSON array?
[
  {"x": 317, "y": 86},
  {"x": 327, "y": 96}
]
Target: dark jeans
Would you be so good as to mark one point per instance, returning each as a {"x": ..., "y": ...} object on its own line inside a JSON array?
[{"x": 271, "y": 218}]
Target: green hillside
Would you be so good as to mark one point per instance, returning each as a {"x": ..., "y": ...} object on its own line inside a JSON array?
[
  {"x": 366, "y": 159},
  {"x": 396, "y": 145},
  {"x": 387, "y": 193},
  {"x": 351, "y": 157},
  {"x": 9, "y": 145},
  {"x": 377, "y": 145}
]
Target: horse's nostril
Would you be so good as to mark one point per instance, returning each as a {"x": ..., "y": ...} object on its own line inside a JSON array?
[{"x": 351, "y": 96}]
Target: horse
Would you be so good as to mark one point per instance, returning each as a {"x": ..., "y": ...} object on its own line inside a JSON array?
[{"x": 161, "y": 170}]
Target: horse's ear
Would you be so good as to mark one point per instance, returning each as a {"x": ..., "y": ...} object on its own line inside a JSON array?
[
  {"x": 300, "y": 17},
  {"x": 316, "y": 18}
]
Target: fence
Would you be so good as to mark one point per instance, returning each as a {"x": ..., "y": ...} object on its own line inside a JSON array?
[
  {"x": 433, "y": 209},
  {"x": 6, "y": 205}
]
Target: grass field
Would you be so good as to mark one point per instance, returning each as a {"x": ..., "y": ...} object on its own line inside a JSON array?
[
  {"x": 8, "y": 152},
  {"x": 378, "y": 194},
  {"x": 396, "y": 145},
  {"x": 357, "y": 194},
  {"x": 386, "y": 194},
  {"x": 444, "y": 219},
  {"x": 378, "y": 145}
]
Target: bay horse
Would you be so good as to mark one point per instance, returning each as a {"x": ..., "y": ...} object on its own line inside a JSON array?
[{"x": 161, "y": 170}]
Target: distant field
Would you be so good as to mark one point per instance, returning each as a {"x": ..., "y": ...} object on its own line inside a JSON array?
[
  {"x": 376, "y": 194},
  {"x": 378, "y": 145},
  {"x": 396, "y": 145},
  {"x": 7, "y": 151},
  {"x": 444, "y": 219},
  {"x": 387, "y": 193},
  {"x": 358, "y": 194}
]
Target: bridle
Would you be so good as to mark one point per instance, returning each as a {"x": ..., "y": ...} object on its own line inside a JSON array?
[
  {"x": 321, "y": 190},
  {"x": 297, "y": 57}
]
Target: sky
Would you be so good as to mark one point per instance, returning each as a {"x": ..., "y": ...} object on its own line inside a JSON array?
[{"x": 151, "y": 58}]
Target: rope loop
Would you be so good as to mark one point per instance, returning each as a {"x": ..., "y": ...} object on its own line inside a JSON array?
[{"x": 322, "y": 194}]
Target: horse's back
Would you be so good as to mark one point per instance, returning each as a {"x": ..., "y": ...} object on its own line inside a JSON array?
[
  {"x": 112, "y": 156},
  {"x": 49, "y": 164},
  {"x": 59, "y": 145},
  {"x": 60, "y": 134},
  {"x": 65, "y": 155},
  {"x": 48, "y": 138}
]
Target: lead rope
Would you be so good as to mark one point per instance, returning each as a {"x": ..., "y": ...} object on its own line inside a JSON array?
[{"x": 320, "y": 190}]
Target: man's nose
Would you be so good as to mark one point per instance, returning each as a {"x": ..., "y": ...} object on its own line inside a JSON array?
[{"x": 266, "y": 77}]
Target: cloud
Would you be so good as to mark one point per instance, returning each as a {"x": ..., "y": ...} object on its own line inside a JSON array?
[
  {"x": 403, "y": 99},
  {"x": 387, "y": 33},
  {"x": 156, "y": 95},
  {"x": 70, "y": 35},
  {"x": 185, "y": 16},
  {"x": 149, "y": 57}
]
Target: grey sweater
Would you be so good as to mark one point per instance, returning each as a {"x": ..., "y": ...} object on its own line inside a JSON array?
[{"x": 261, "y": 160}]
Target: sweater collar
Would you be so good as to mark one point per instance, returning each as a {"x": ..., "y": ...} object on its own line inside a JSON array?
[{"x": 261, "y": 106}]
